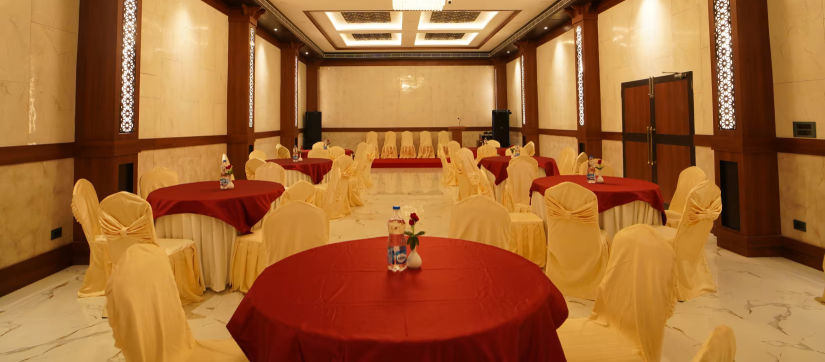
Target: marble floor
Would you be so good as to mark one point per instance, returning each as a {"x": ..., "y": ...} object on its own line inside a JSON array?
[{"x": 769, "y": 302}]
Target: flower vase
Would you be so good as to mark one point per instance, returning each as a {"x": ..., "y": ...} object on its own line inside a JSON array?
[
  {"x": 414, "y": 260},
  {"x": 599, "y": 178}
]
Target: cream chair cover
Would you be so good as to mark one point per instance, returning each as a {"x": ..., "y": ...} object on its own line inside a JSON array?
[
  {"x": 407, "y": 145},
  {"x": 527, "y": 237},
  {"x": 372, "y": 140},
  {"x": 443, "y": 140},
  {"x": 577, "y": 250},
  {"x": 332, "y": 196},
  {"x": 425, "y": 145},
  {"x": 299, "y": 191},
  {"x": 126, "y": 219},
  {"x": 471, "y": 180},
  {"x": 261, "y": 155},
  {"x": 448, "y": 176},
  {"x": 336, "y": 151},
  {"x": 688, "y": 179},
  {"x": 529, "y": 149},
  {"x": 719, "y": 347},
  {"x": 147, "y": 319},
  {"x": 282, "y": 152},
  {"x": 318, "y": 153},
  {"x": 485, "y": 151},
  {"x": 86, "y": 209},
  {"x": 494, "y": 143},
  {"x": 364, "y": 155},
  {"x": 349, "y": 177},
  {"x": 633, "y": 303},
  {"x": 481, "y": 219},
  {"x": 271, "y": 172},
  {"x": 567, "y": 161},
  {"x": 159, "y": 177},
  {"x": 293, "y": 227},
  {"x": 521, "y": 172},
  {"x": 251, "y": 165},
  {"x": 389, "y": 150},
  {"x": 452, "y": 149},
  {"x": 702, "y": 208},
  {"x": 580, "y": 164},
  {"x": 318, "y": 145}
]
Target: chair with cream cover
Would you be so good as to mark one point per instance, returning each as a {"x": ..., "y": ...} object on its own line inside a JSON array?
[
  {"x": 372, "y": 140},
  {"x": 293, "y": 227},
  {"x": 332, "y": 196},
  {"x": 634, "y": 301},
  {"x": 86, "y": 208},
  {"x": 364, "y": 156},
  {"x": 452, "y": 149},
  {"x": 443, "y": 140},
  {"x": 567, "y": 160},
  {"x": 702, "y": 208},
  {"x": 158, "y": 178},
  {"x": 261, "y": 155},
  {"x": 494, "y": 143},
  {"x": 481, "y": 219},
  {"x": 349, "y": 178},
  {"x": 302, "y": 190},
  {"x": 251, "y": 166},
  {"x": 318, "y": 145},
  {"x": 521, "y": 171},
  {"x": 822, "y": 298},
  {"x": 147, "y": 319},
  {"x": 448, "y": 177},
  {"x": 271, "y": 172},
  {"x": 407, "y": 145},
  {"x": 318, "y": 153},
  {"x": 425, "y": 145},
  {"x": 336, "y": 151},
  {"x": 282, "y": 152},
  {"x": 719, "y": 347},
  {"x": 529, "y": 149},
  {"x": 471, "y": 180},
  {"x": 577, "y": 250},
  {"x": 580, "y": 164},
  {"x": 688, "y": 179},
  {"x": 389, "y": 150},
  {"x": 485, "y": 151}
]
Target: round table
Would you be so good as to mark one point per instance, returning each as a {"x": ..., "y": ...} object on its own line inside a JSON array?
[
  {"x": 310, "y": 169},
  {"x": 304, "y": 153},
  {"x": 468, "y": 302},
  {"x": 622, "y": 201},
  {"x": 212, "y": 217}
]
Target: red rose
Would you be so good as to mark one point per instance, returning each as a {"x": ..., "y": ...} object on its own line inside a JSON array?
[
  {"x": 414, "y": 216},
  {"x": 412, "y": 222}
]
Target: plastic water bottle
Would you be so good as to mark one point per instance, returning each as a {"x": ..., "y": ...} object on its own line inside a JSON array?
[
  {"x": 296, "y": 153},
  {"x": 591, "y": 171},
  {"x": 396, "y": 249}
]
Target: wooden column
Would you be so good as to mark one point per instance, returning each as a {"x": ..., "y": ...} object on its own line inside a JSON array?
[
  {"x": 289, "y": 79},
  {"x": 750, "y": 223},
  {"x": 585, "y": 20},
  {"x": 530, "y": 128},
  {"x": 240, "y": 96},
  {"x": 312, "y": 85},
  {"x": 500, "y": 68},
  {"x": 106, "y": 102}
]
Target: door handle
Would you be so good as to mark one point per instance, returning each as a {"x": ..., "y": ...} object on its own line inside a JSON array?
[{"x": 650, "y": 146}]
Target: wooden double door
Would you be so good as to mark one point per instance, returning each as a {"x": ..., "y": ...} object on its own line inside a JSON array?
[{"x": 657, "y": 121}]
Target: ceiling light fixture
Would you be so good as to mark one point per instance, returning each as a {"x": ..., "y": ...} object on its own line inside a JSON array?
[
  {"x": 545, "y": 28},
  {"x": 418, "y": 5},
  {"x": 276, "y": 29},
  {"x": 306, "y": 53}
]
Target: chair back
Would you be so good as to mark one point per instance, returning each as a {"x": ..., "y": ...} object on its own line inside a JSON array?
[
  {"x": 494, "y": 143},
  {"x": 529, "y": 149},
  {"x": 261, "y": 155},
  {"x": 425, "y": 138},
  {"x": 521, "y": 171},
  {"x": 453, "y": 147},
  {"x": 293, "y": 228},
  {"x": 638, "y": 294},
  {"x": 567, "y": 160},
  {"x": 125, "y": 219},
  {"x": 447, "y": 170},
  {"x": 580, "y": 165},
  {"x": 282, "y": 152},
  {"x": 159, "y": 177},
  {"x": 481, "y": 219},
  {"x": 318, "y": 145},
  {"x": 251, "y": 166},
  {"x": 299, "y": 191},
  {"x": 467, "y": 173},
  {"x": 372, "y": 140},
  {"x": 364, "y": 156},
  {"x": 335, "y": 201},
  {"x": 389, "y": 150},
  {"x": 702, "y": 208},
  {"x": 407, "y": 139},
  {"x": 336, "y": 151},
  {"x": 576, "y": 254},
  {"x": 719, "y": 347},
  {"x": 144, "y": 309},
  {"x": 443, "y": 140},
  {"x": 86, "y": 208},
  {"x": 688, "y": 179},
  {"x": 271, "y": 172},
  {"x": 318, "y": 153},
  {"x": 486, "y": 151}
]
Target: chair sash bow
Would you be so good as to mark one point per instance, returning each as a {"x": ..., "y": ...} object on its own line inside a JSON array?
[{"x": 587, "y": 213}]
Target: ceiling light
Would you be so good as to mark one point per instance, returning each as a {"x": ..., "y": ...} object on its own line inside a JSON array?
[
  {"x": 306, "y": 53},
  {"x": 508, "y": 52},
  {"x": 418, "y": 5},
  {"x": 276, "y": 29},
  {"x": 545, "y": 28}
]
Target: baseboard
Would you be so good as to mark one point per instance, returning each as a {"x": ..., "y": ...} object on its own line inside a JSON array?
[
  {"x": 803, "y": 253},
  {"x": 19, "y": 275}
]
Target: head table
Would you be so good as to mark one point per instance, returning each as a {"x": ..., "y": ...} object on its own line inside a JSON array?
[
  {"x": 304, "y": 153},
  {"x": 498, "y": 166},
  {"x": 309, "y": 169},
  {"x": 502, "y": 151},
  {"x": 212, "y": 217},
  {"x": 338, "y": 302},
  {"x": 622, "y": 201}
]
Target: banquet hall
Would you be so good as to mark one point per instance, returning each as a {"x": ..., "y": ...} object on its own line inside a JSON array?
[{"x": 412, "y": 180}]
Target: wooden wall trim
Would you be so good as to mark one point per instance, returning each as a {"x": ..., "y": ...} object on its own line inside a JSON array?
[
  {"x": 611, "y": 136},
  {"x": 403, "y": 62},
  {"x": 607, "y": 4},
  {"x": 803, "y": 253},
  {"x": 267, "y": 134},
  {"x": 801, "y": 146},
  {"x": 147, "y": 144},
  {"x": 264, "y": 34},
  {"x": 35, "y": 153},
  {"x": 555, "y": 33},
  {"x": 219, "y": 5},
  {"x": 19, "y": 275},
  {"x": 703, "y": 140},
  {"x": 402, "y": 129},
  {"x": 559, "y": 132}
]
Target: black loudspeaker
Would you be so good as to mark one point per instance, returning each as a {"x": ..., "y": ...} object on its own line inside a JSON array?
[
  {"x": 501, "y": 126},
  {"x": 312, "y": 129}
]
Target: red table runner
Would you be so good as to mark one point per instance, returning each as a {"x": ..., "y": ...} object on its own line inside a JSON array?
[
  {"x": 241, "y": 207},
  {"x": 498, "y": 166},
  {"x": 304, "y": 153},
  {"x": 338, "y": 302},
  {"x": 501, "y": 151},
  {"x": 406, "y": 163},
  {"x": 615, "y": 191},
  {"x": 315, "y": 168}
]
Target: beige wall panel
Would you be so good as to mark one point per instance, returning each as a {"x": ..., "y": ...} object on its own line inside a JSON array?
[
  {"x": 613, "y": 155},
  {"x": 551, "y": 146},
  {"x": 267, "y": 86},
  {"x": 514, "y": 94},
  {"x": 801, "y": 196},
  {"x": 706, "y": 160},
  {"x": 557, "y": 82},
  {"x": 192, "y": 164},
  {"x": 268, "y": 145}
]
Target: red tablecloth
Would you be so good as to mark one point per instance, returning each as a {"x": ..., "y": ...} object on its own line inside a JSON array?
[
  {"x": 406, "y": 163},
  {"x": 615, "y": 191},
  {"x": 498, "y": 166},
  {"x": 241, "y": 207},
  {"x": 501, "y": 151},
  {"x": 315, "y": 168},
  {"x": 338, "y": 302},
  {"x": 304, "y": 153}
]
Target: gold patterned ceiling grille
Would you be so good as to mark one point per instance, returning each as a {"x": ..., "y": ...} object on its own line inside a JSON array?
[
  {"x": 364, "y": 17},
  {"x": 443, "y": 36},
  {"x": 372, "y": 36},
  {"x": 454, "y": 16}
]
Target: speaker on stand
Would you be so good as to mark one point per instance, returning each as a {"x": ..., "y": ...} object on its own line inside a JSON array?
[
  {"x": 312, "y": 129},
  {"x": 501, "y": 126}
]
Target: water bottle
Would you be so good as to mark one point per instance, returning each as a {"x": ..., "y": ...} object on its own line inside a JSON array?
[
  {"x": 396, "y": 248},
  {"x": 296, "y": 153},
  {"x": 591, "y": 171}
]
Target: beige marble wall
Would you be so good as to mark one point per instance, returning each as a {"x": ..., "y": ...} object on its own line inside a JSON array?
[
  {"x": 557, "y": 82},
  {"x": 706, "y": 160},
  {"x": 398, "y": 96},
  {"x": 302, "y": 93},
  {"x": 268, "y": 145},
  {"x": 199, "y": 163},
  {"x": 183, "y": 69},
  {"x": 267, "y": 86},
  {"x": 36, "y": 198},
  {"x": 643, "y": 38},
  {"x": 551, "y": 146},
  {"x": 801, "y": 196},
  {"x": 514, "y": 99},
  {"x": 613, "y": 155},
  {"x": 797, "y": 31},
  {"x": 38, "y": 61}
]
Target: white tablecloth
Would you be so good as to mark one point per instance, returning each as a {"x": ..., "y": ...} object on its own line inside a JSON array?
[{"x": 293, "y": 176}]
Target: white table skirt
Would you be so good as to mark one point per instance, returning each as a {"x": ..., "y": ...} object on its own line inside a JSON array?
[
  {"x": 213, "y": 239},
  {"x": 498, "y": 190},
  {"x": 293, "y": 176},
  {"x": 611, "y": 220},
  {"x": 409, "y": 181}
]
